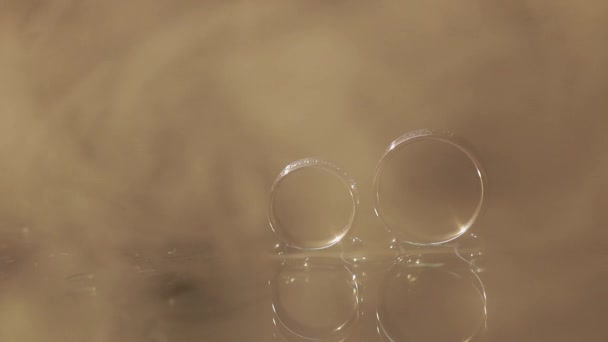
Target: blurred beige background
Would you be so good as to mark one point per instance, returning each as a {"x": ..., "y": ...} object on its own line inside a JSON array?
[{"x": 142, "y": 123}]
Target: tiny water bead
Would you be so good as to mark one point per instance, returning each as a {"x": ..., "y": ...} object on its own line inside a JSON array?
[
  {"x": 315, "y": 301},
  {"x": 312, "y": 204},
  {"x": 428, "y": 188}
]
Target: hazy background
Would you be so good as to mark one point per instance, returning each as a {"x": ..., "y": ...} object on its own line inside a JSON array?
[{"x": 143, "y": 125}]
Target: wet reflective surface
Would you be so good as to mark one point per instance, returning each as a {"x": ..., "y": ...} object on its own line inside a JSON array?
[
  {"x": 424, "y": 294},
  {"x": 139, "y": 141}
]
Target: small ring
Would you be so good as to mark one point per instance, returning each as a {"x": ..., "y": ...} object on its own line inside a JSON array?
[
  {"x": 441, "y": 136},
  {"x": 305, "y": 163}
]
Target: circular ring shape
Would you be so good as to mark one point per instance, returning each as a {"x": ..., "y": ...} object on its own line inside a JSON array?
[
  {"x": 435, "y": 297},
  {"x": 315, "y": 301},
  {"x": 304, "y": 233},
  {"x": 433, "y": 167}
]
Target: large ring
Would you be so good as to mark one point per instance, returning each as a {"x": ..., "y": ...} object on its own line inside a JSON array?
[{"x": 462, "y": 226}]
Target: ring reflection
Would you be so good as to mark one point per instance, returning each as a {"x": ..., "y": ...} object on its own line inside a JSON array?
[
  {"x": 314, "y": 302},
  {"x": 432, "y": 297}
]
